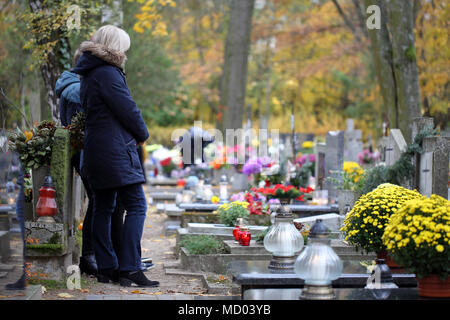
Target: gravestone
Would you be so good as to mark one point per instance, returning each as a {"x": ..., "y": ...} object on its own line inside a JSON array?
[
  {"x": 418, "y": 125},
  {"x": 50, "y": 246},
  {"x": 334, "y": 161},
  {"x": 434, "y": 162},
  {"x": 353, "y": 142},
  {"x": 396, "y": 145},
  {"x": 319, "y": 168}
]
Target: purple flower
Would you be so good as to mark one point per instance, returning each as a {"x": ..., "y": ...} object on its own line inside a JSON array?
[
  {"x": 307, "y": 157},
  {"x": 252, "y": 166},
  {"x": 238, "y": 197},
  {"x": 274, "y": 201}
]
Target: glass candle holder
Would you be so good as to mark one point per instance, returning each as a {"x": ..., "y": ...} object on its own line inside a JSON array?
[
  {"x": 318, "y": 264},
  {"x": 236, "y": 232},
  {"x": 244, "y": 236},
  {"x": 283, "y": 240}
]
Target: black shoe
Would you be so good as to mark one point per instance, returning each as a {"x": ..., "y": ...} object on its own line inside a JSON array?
[
  {"x": 88, "y": 265},
  {"x": 18, "y": 285},
  {"x": 127, "y": 279},
  {"x": 107, "y": 275},
  {"x": 147, "y": 266}
]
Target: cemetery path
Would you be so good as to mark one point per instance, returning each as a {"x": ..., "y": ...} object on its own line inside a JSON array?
[{"x": 162, "y": 251}]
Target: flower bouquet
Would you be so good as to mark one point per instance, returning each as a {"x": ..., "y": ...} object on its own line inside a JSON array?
[
  {"x": 35, "y": 146},
  {"x": 365, "y": 223},
  {"x": 366, "y": 157},
  {"x": 256, "y": 202},
  {"x": 418, "y": 237},
  {"x": 283, "y": 193}
]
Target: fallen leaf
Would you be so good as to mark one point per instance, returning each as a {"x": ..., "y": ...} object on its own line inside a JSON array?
[
  {"x": 65, "y": 295},
  {"x": 222, "y": 278},
  {"x": 149, "y": 226},
  {"x": 84, "y": 290},
  {"x": 136, "y": 291},
  {"x": 168, "y": 252},
  {"x": 158, "y": 293},
  {"x": 162, "y": 237},
  {"x": 156, "y": 240}
]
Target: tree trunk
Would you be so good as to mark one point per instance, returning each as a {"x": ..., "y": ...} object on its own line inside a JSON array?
[
  {"x": 401, "y": 26},
  {"x": 52, "y": 68},
  {"x": 234, "y": 75},
  {"x": 381, "y": 48}
]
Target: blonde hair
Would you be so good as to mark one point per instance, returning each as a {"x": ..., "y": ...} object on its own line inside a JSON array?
[
  {"x": 113, "y": 38},
  {"x": 77, "y": 56}
]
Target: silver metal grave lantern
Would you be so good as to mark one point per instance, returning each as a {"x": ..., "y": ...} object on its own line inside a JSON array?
[
  {"x": 318, "y": 264},
  {"x": 283, "y": 240}
]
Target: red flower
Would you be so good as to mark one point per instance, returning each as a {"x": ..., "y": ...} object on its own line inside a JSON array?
[{"x": 165, "y": 162}]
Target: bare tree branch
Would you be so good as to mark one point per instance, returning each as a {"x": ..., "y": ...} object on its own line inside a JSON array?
[
  {"x": 346, "y": 20},
  {"x": 8, "y": 101}
]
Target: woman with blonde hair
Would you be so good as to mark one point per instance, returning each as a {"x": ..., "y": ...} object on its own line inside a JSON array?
[{"x": 114, "y": 128}]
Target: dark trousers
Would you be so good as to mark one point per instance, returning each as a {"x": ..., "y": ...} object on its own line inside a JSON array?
[
  {"x": 132, "y": 198},
  {"x": 87, "y": 247}
]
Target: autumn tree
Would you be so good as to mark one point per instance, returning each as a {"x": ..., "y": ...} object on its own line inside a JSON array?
[{"x": 234, "y": 78}]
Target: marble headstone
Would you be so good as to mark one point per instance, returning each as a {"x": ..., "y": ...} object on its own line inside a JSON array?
[
  {"x": 319, "y": 168},
  {"x": 353, "y": 142},
  {"x": 434, "y": 166},
  {"x": 396, "y": 145},
  {"x": 334, "y": 160}
]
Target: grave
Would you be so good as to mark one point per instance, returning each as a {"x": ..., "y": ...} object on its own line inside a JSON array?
[
  {"x": 308, "y": 210},
  {"x": 396, "y": 145},
  {"x": 334, "y": 161},
  {"x": 340, "y": 294},
  {"x": 218, "y": 230},
  {"x": 353, "y": 142},
  {"x": 162, "y": 181},
  {"x": 163, "y": 197},
  {"x": 418, "y": 125},
  {"x": 173, "y": 221},
  {"x": 319, "y": 169},
  {"x": 51, "y": 246},
  {"x": 256, "y": 275},
  {"x": 434, "y": 166}
]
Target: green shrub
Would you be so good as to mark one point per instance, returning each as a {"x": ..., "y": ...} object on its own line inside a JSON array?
[{"x": 203, "y": 244}]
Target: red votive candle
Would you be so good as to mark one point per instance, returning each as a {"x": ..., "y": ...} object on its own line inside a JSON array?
[
  {"x": 244, "y": 236},
  {"x": 236, "y": 232}
]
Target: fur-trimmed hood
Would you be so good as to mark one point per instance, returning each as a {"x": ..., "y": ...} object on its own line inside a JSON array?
[{"x": 116, "y": 58}]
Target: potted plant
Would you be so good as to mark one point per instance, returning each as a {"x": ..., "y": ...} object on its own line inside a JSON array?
[
  {"x": 229, "y": 212},
  {"x": 365, "y": 223},
  {"x": 418, "y": 237}
]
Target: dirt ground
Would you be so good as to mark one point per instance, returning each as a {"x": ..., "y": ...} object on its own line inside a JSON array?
[{"x": 155, "y": 245}]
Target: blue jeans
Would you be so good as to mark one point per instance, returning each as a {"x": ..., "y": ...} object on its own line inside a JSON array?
[{"x": 132, "y": 198}]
